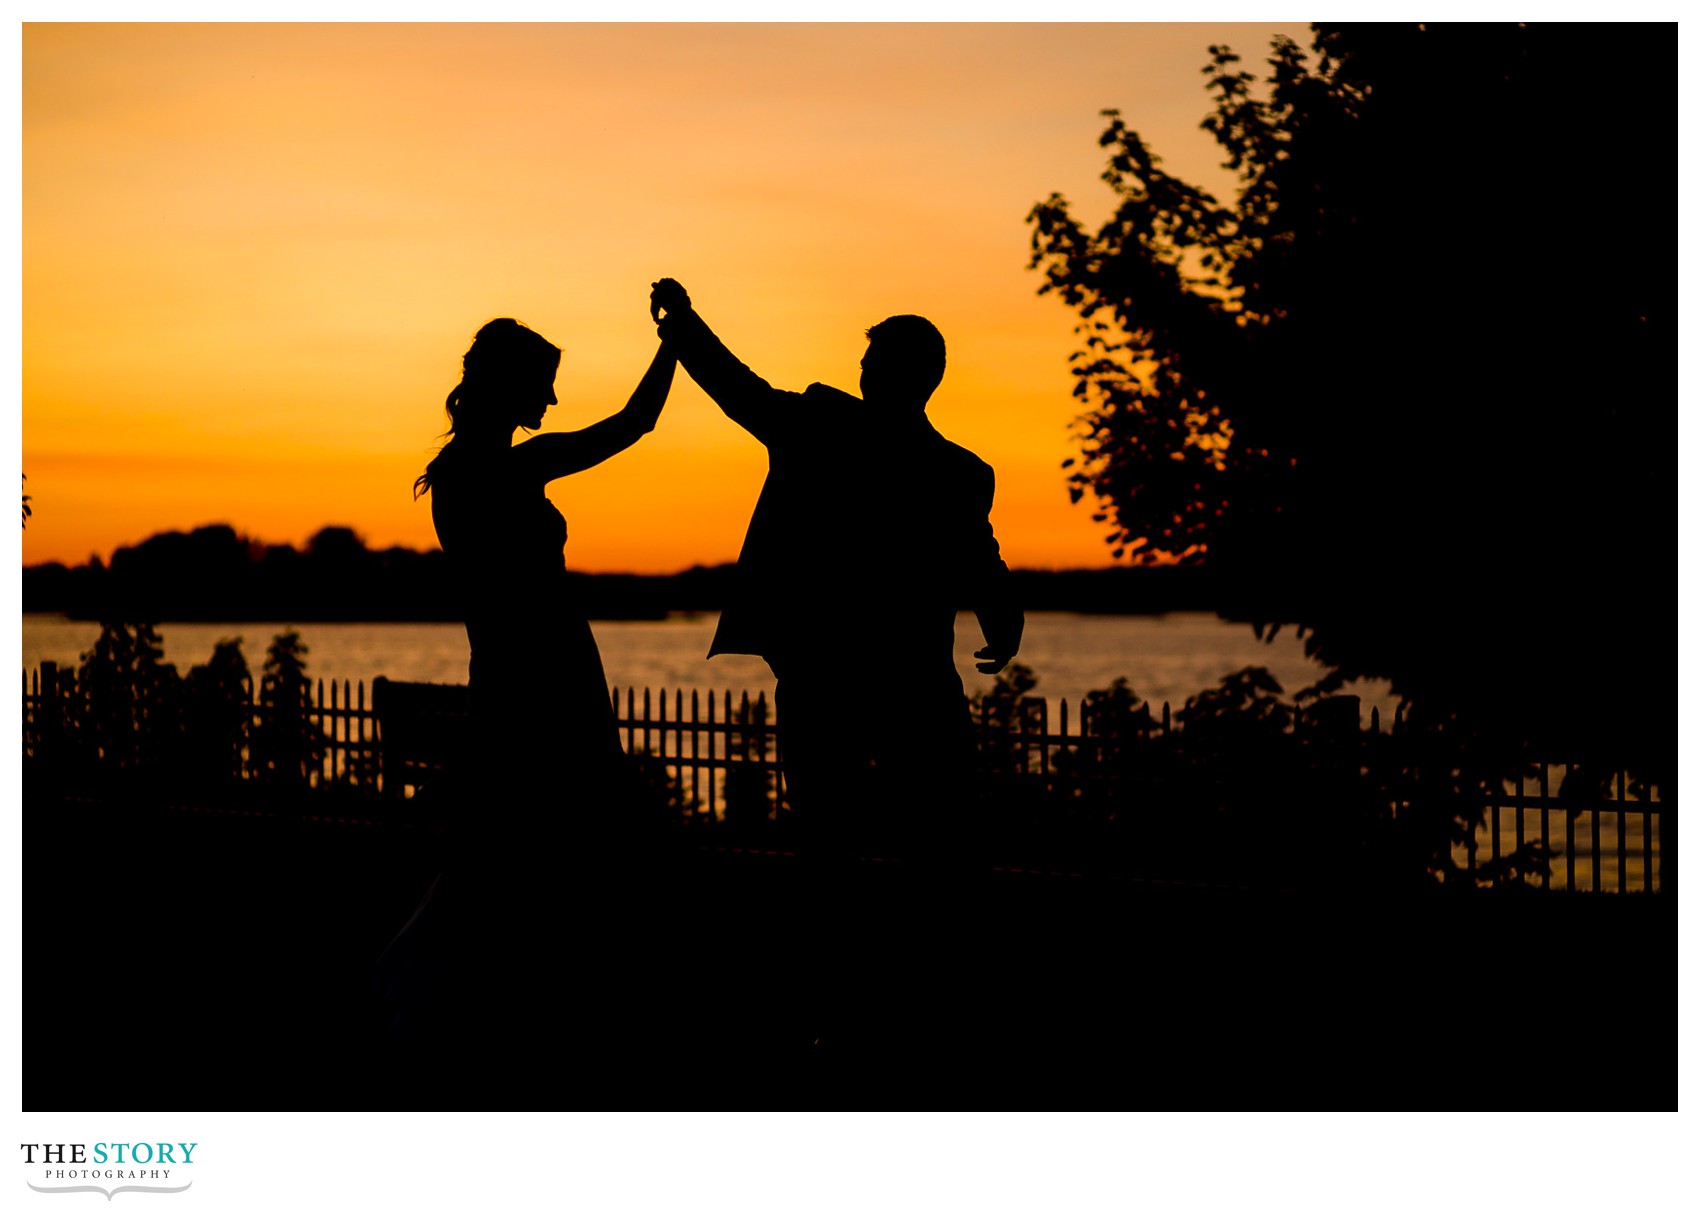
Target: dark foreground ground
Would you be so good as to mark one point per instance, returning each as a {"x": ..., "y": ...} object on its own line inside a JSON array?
[{"x": 179, "y": 960}]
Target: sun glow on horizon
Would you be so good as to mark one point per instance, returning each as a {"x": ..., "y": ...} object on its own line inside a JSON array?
[{"x": 254, "y": 254}]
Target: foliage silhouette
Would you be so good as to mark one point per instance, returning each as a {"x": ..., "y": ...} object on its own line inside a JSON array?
[
  {"x": 1247, "y": 786},
  {"x": 216, "y": 573},
  {"x": 1000, "y": 704},
  {"x": 124, "y": 722},
  {"x": 665, "y": 790},
  {"x": 219, "y": 713},
  {"x": 750, "y": 794},
  {"x": 289, "y": 745},
  {"x": 1250, "y": 787},
  {"x": 133, "y": 699},
  {"x": 1400, "y": 392}
]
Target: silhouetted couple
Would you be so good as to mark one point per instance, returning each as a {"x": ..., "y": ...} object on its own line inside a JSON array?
[{"x": 871, "y": 531}]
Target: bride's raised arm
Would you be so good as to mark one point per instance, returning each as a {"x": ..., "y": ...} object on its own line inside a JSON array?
[{"x": 551, "y": 456}]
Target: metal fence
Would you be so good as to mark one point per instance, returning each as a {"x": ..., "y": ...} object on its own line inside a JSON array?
[
  {"x": 711, "y": 748},
  {"x": 1620, "y": 838},
  {"x": 720, "y": 755}
]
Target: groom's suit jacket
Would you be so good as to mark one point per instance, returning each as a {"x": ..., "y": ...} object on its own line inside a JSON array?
[{"x": 872, "y": 529}]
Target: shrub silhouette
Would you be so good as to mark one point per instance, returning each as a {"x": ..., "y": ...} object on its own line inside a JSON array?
[
  {"x": 131, "y": 699},
  {"x": 219, "y": 714},
  {"x": 1249, "y": 786},
  {"x": 289, "y": 745},
  {"x": 750, "y": 794}
]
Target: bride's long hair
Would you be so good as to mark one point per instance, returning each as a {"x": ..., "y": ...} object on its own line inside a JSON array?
[{"x": 504, "y": 354}]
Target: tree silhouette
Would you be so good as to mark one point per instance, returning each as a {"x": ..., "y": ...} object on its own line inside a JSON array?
[
  {"x": 133, "y": 698},
  {"x": 748, "y": 785},
  {"x": 219, "y": 713},
  {"x": 289, "y": 744},
  {"x": 1412, "y": 390},
  {"x": 1000, "y": 710}
]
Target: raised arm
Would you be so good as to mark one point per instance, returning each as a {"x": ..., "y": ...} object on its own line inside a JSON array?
[
  {"x": 551, "y": 456},
  {"x": 742, "y": 395}
]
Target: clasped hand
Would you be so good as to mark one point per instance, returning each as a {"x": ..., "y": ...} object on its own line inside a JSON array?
[{"x": 667, "y": 296}]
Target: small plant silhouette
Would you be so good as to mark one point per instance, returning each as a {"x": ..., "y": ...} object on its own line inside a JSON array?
[
  {"x": 132, "y": 697},
  {"x": 219, "y": 713},
  {"x": 290, "y": 744}
]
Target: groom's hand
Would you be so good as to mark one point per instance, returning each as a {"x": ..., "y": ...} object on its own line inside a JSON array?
[
  {"x": 990, "y": 661},
  {"x": 667, "y": 296}
]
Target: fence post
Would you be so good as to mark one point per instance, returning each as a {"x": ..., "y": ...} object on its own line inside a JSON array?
[
  {"x": 343, "y": 769},
  {"x": 713, "y": 748},
  {"x": 1595, "y": 885},
  {"x": 339, "y": 731},
  {"x": 1622, "y": 836},
  {"x": 696, "y": 771},
  {"x": 388, "y": 774},
  {"x": 1493, "y": 806},
  {"x": 678, "y": 750},
  {"x": 49, "y": 694},
  {"x": 1546, "y": 835},
  {"x": 1646, "y": 839},
  {"x": 322, "y": 748},
  {"x": 367, "y": 776},
  {"x": 1667, "y": 840},
  {"x": 1569, "y": 844},
  {"x": 49, "y": 715},
  {"x": 1517, "y": 807}
]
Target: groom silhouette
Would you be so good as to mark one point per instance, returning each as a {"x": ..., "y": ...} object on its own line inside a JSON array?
[{"x": 871, "y": 532}]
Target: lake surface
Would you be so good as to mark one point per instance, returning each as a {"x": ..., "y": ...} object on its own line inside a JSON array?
[{"x": 1163, "y": 657}]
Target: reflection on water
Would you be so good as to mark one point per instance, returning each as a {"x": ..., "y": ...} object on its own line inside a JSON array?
[{"x": 1164, "y": 657}]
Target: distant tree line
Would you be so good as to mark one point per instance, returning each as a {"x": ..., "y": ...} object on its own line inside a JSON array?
[
  {"x": 212, "y": 573},
  {"x": 215, "y": 573}
]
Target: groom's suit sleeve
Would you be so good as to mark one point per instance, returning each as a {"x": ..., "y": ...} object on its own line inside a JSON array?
[
  {"x": 990, "y": 590},
  {"x": 744, "y": 396}
]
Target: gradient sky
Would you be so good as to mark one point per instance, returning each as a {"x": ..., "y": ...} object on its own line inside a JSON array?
[{"x": 253, "y": 254}]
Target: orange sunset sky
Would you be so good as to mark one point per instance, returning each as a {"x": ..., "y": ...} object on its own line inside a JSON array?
[{"x": 253, "y": 254}]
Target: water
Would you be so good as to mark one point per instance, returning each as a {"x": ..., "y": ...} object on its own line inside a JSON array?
[{"x": 1163, "y": 657}]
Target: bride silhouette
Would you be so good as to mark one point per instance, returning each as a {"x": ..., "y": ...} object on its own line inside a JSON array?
[
  {"x": 543, "y": 728},
  {"x": 541, "y": 796}
]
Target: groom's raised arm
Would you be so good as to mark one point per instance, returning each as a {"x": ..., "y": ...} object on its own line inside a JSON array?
[{"x": 742, "y": 395}]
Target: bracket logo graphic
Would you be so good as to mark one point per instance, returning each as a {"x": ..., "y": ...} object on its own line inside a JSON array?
[{"x": 113, "y": 1192}]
